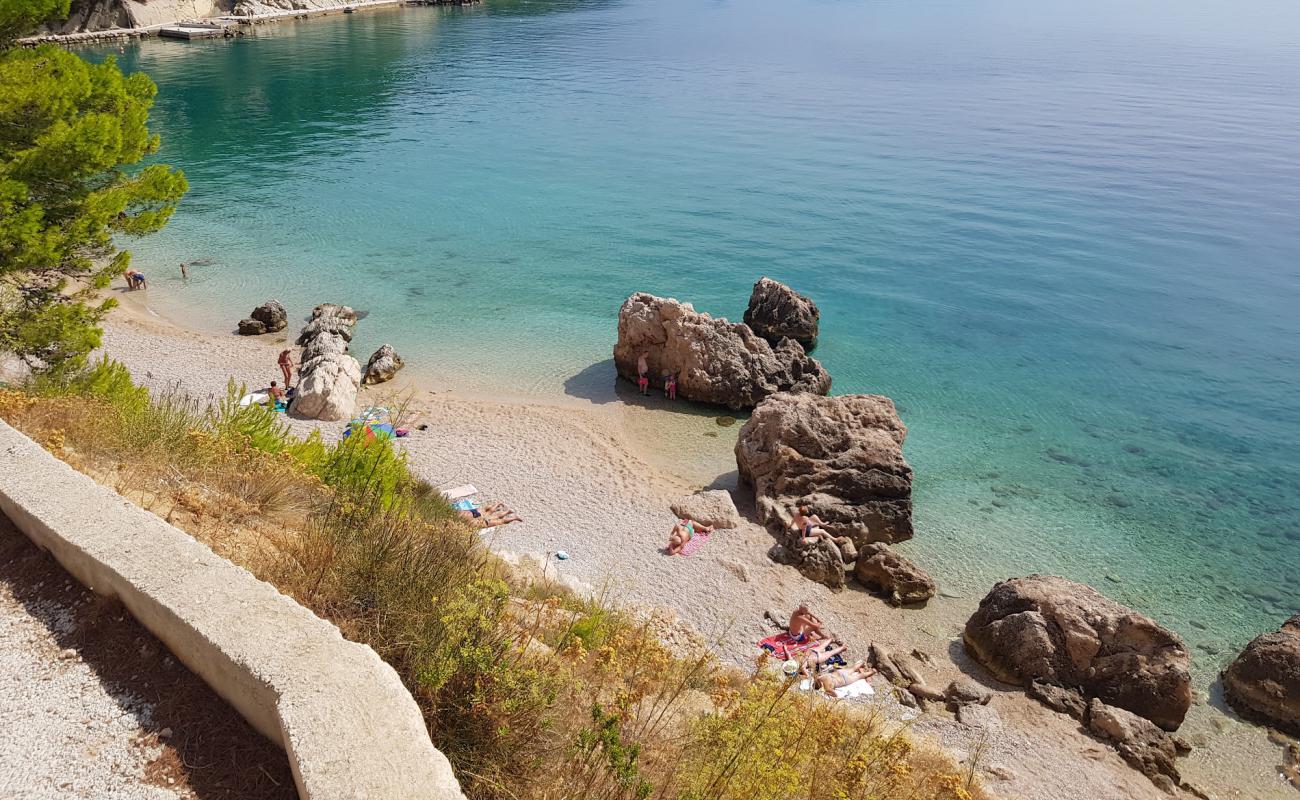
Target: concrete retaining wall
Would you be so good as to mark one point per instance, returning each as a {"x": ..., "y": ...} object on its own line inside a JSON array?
[{"x": 348, "y": 725}]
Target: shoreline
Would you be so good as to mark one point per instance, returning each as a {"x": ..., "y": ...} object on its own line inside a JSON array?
[
  {"x": 584, "y": 483},
  {"x": 228, "y": 21}
]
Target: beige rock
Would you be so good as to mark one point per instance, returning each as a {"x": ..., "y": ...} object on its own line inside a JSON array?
[
  {"x": 898, "y": 579},
  {"x": 1140, "y": 743},
  {"x": 714, "y": 507},
  {"x": 715, "y": 361},
  {"x": 383, "y": 365}
]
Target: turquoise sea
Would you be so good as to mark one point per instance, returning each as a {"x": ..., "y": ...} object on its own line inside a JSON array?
[{"x": 1063, "y": 236}]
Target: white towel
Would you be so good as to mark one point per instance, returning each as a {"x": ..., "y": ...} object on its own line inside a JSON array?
[{"x": 859, "y": 688}]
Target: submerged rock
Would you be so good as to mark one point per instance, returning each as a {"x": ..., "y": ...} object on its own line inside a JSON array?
[
  {"x": 1051, "y": 630},
  {"x": 1263, "y": 682},
  {"x": 383, "y": 365},
  {"x": 272, "y": 315},
  {"x": 715, "y": 361},
  {"x": 901, "y": 581},
  {"x": 778, "y": 312},
  {"x": 841, "y": 456},
  {"x": 251, "y": 327},
  {"x": 715, "y": 508}
]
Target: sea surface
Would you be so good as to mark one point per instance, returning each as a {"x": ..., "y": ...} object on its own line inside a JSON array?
[{"x": 1063, "y": 236}]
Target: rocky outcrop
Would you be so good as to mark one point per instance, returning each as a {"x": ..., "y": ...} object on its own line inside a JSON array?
[
  {"x": 383, "y": 365},
  {"x": 272, "y": 315},
  {"x": 714, "y": 508},
  {"x": 251, "y": 327},
  {"x": 778, "y": 312},
  {"x": 898, "y": 579},
  {"x": 715, "y": 361},
  {"x": 841, "y": 456},
  {"x": 329, "y": 378},
  {"x": 1146, "y": 747},
  {"x": 1263, "y": 682},
  {"x": 1050, "y": 630}
]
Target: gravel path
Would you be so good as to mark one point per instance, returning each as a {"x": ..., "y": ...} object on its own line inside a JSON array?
[{"x": 91, "y": 705}]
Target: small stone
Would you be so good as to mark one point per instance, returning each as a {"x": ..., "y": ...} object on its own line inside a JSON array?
[{"x": 68, "y": 653}]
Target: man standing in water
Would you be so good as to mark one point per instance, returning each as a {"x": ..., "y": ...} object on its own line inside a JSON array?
[{"x": 286, "y": 366}]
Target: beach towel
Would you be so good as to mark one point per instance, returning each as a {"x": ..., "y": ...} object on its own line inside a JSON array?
[
  {"x": 697, "y": 541},
  {"x": 859, "y": 688},
  {"x": 783, "y": 645}
]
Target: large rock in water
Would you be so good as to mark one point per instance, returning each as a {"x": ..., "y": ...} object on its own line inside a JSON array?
[
  {"x": 715, "y": 361},
  {"x": 1263, "y": 682},
  {"x": 901, "y": 581},
  {"x": 778, "y": 312},
  {"x": 841, "y": 456},
  {"x": 272, "y": 315},
  {"x": 383, "y": 365},
  {"x": 1048, "y": 629}
]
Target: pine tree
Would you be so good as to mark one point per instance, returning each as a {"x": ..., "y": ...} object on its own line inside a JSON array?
[{"x": 68, "y": 131}]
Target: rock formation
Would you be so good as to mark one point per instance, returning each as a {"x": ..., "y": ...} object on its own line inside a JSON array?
[
  {"x": 897, "y": 578},
  {"x": 778, "y": 312},
  {"x": 714, "y": 508},
  {"x": 715, "y": 361},
  {"x": 329, "y": 378},
  {"x": 1263, "y": 682},
  {"x": 1146, "y": 747},
  {"x": 251, "y": 327},
  {"x": 383, "y": 365},
  {"x": 272, "y": 315},
  {"x": 841, "y": 456},
  {"x": 1054, "y": 631}
]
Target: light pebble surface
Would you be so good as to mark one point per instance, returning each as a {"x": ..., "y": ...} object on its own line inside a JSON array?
[
  {"x": 62, "y": 733},
  {"x": 586, "y": 486}
]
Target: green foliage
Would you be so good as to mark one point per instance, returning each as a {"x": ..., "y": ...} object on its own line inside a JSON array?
[
  {"x": 254, "y": 425},
  {"x": 603, "y": 743},
  {"x": 67, "y": 130},
  {"x": 20, "y": 17}
]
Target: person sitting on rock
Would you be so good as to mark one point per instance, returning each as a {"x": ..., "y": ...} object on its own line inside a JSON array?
[
  {"x": 810, "y": 530},
  {"x": 683, "y": 532},
  {"x": 839, "y": 678},
  {"x": 805, "y": 625}
]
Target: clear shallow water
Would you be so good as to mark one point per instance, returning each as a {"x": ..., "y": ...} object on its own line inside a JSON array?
[{"x": 1063, "y": 238}]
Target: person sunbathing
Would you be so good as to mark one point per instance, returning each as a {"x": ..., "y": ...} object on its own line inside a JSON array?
[
  {"x": 805, "y": 625},
  {"x": 810, "y": 530},
  {"x": 811, "y": 661},
  {"x": 839, "y": 678},
  {"x": 490, "y": 516},
  {"x": 683, "y": 532}
]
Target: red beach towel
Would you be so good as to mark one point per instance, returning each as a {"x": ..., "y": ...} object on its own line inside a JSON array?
[{"x": 782, "y": 645}]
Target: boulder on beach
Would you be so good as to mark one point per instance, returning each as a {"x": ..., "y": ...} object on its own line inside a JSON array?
[
  {"x": 1145, "y": 747},
  {"x": 1263, "y": 682},
  {"x": 897, "y": 578},
  {"x": 251, "y": 327},
  {"x": 1050, "y": 630},
  {"x": 323, "y": 344},
  {"x": 272, "y": 315},
  {"x": 840, "y": 456},
  {"x": 715, "y": 361},
  {"x": 327, "y": 388},
  {"x": 778, "y": 312},
  {"x": 383, "y": 365},
  {"x": 714, "y": 508}
]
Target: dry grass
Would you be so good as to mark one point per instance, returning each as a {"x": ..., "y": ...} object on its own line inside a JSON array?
[{"x": 532, "y": 693}]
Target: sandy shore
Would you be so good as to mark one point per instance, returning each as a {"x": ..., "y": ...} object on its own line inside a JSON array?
[{"x": 589, "y": 480}]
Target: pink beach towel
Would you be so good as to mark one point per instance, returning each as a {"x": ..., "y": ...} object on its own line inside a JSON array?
[
  {"x": 782, "y": 645},
  {"x": 697, "y": 541}
]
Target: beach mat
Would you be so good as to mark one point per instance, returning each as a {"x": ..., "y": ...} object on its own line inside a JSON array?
[
  {"x": 697, "y": 541},
  {"x": 782, "y": 645},
  {"x": 859, "y": 688}
]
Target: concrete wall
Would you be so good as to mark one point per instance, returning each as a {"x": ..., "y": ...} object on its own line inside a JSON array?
[{"x": 348, "y": 725}]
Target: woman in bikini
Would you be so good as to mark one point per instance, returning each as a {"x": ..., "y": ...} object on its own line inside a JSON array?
[
  {"x": 809, "y": 527},
  {"x": 683, "y": 532},
  {"x": 810, "y": 661},
  {"x": 839, "y": 678}
]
